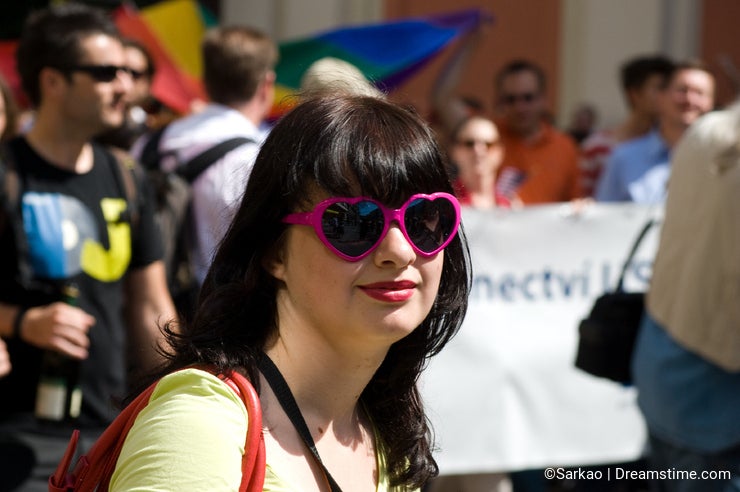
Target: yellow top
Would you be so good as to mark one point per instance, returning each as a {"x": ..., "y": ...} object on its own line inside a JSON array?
[{"x": 190, "y": 437}]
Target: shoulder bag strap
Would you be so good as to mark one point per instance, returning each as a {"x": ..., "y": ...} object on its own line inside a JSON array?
[
  {"x": 631, "y": 254},
  {"x": 195, "y": 166},
  {"x": 150, "y": 155},
  {"x": 290, "y": 406},
  {"x": 126, "y": 165},
  {"x": 254, "y": 459}
]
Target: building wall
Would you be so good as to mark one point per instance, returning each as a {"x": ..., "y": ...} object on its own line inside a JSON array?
[
  {"x": 288, "y": 19},
  {"x": 720, "y": 45}
]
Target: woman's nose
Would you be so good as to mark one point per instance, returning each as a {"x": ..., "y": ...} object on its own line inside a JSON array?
[{"x": 394, "y": 248}]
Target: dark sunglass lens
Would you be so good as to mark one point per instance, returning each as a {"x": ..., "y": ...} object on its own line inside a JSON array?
[
  {"x": 429, "y": 222},
  {"x": 101, "y": 73},
  {"x": 352, "y": 228},
  {"x": 526, "y": 97},
  {"x": 472, "y": 143}
]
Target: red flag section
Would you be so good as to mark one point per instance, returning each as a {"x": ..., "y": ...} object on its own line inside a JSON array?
[
  {"x": 8, "y": 71},
  {"x": 171, "y": 86}
]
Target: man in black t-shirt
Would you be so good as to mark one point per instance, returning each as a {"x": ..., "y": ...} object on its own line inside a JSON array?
[{"x": 80, "y": 225}]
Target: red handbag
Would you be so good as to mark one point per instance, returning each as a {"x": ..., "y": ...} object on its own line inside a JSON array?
[{"x": 94, "y": 470}]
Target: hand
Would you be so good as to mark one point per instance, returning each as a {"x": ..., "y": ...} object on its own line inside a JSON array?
[
  {"x": 58, "y": 327},
  {"x": 4, "y": 359}
]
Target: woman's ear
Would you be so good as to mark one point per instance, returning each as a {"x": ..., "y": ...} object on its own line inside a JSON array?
[{"x": 273, "y": 263}]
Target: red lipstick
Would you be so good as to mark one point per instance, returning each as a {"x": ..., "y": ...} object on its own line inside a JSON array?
[{"x": 390, "y": 291}]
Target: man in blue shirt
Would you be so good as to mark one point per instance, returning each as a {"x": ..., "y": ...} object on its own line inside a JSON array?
[{"x": 638, "y": 169}]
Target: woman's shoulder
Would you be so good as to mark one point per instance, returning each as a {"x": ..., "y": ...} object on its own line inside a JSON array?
[{"x": 193, "y": 428}]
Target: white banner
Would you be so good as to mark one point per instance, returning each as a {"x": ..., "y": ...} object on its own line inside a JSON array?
[{"x": 504, "y": 395}]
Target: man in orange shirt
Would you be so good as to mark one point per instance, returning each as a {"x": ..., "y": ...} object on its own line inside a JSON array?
[{"x": 540, "y": 163}]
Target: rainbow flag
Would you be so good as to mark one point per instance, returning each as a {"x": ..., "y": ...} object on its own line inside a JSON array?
[{"x": 387, "y": 53}]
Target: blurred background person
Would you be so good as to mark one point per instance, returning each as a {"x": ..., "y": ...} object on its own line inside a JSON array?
[
  {"x": 476, "y": 153},
  {"x": 239, "y": 78},
  {"x": 9, "y": 112},
  {"x": 583, "y": 122},
  {"x": 331, "y": 74},
  {"x": 642, "y": 79},
  {"x": 638, "y": 169},
  {"x": 8, "y": 129},
  {"x": 5, "y": 364},
  {"x": 540, "y": 163}
]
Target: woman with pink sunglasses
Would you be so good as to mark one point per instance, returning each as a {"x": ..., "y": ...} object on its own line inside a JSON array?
[{"x": 343, "y": 271}]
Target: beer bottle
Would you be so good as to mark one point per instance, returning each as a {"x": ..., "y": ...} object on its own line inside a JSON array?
[{"x": 58, "y": 395}]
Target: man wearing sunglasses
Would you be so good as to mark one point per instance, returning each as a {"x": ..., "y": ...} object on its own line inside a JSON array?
[
  {"x": 140, "y": 65},
  {"x": 74, "y": 220},
  {"x": 540, "y": 163}
]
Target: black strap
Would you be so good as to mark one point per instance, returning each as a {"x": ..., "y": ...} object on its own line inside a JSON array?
[
  {"x": 633, "y": 250},
  {"x": 126, "y": 173},
  {"x": 150, "y": 156},
  {"x": 287, "y": 401},
  {"x": 192, "y": 169}
]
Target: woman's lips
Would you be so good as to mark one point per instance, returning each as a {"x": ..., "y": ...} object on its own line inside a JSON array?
[{"x": 390, "y": 291}]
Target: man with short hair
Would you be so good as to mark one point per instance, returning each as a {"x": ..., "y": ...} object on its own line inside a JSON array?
[
  {"x": 642, "y": 79},
  {"x": 239, "y": 78},
  {"x": 540, "y": 163},
  {"x": 638, "y": 169},
  {"x": 82, "y": 222}
]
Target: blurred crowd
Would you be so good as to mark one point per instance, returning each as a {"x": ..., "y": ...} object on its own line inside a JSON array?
[{"x": 94, "y": 94}]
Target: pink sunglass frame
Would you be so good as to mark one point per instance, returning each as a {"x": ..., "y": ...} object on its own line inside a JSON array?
[{"x": 314, "y": 217}]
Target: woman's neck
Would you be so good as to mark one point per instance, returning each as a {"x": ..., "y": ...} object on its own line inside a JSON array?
[
  {"x": 59, "y": 147},
  {"x": 326, "y": 384}
]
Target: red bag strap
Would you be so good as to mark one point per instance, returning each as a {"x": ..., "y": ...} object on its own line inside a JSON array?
[
  {"x": 254, "y": 459},
  {"x": 104, "y": 453}
]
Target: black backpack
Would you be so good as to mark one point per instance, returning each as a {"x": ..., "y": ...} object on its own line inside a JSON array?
[{"x": 173, "y": 197}]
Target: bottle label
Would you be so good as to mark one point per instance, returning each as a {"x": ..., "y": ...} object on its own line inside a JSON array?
[
  {"x": 50, "y": 399},
  {"x": 75, "y": 402}
]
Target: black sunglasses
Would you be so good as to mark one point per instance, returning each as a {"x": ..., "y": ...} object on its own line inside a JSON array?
[
  {"x": 101, "y": 73},
  {"x": 526, "y": 97},
  {"x": 471, "y": 143}
]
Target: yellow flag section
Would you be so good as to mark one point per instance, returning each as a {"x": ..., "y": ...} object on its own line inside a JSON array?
[{"x": 179, "y": 26}]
